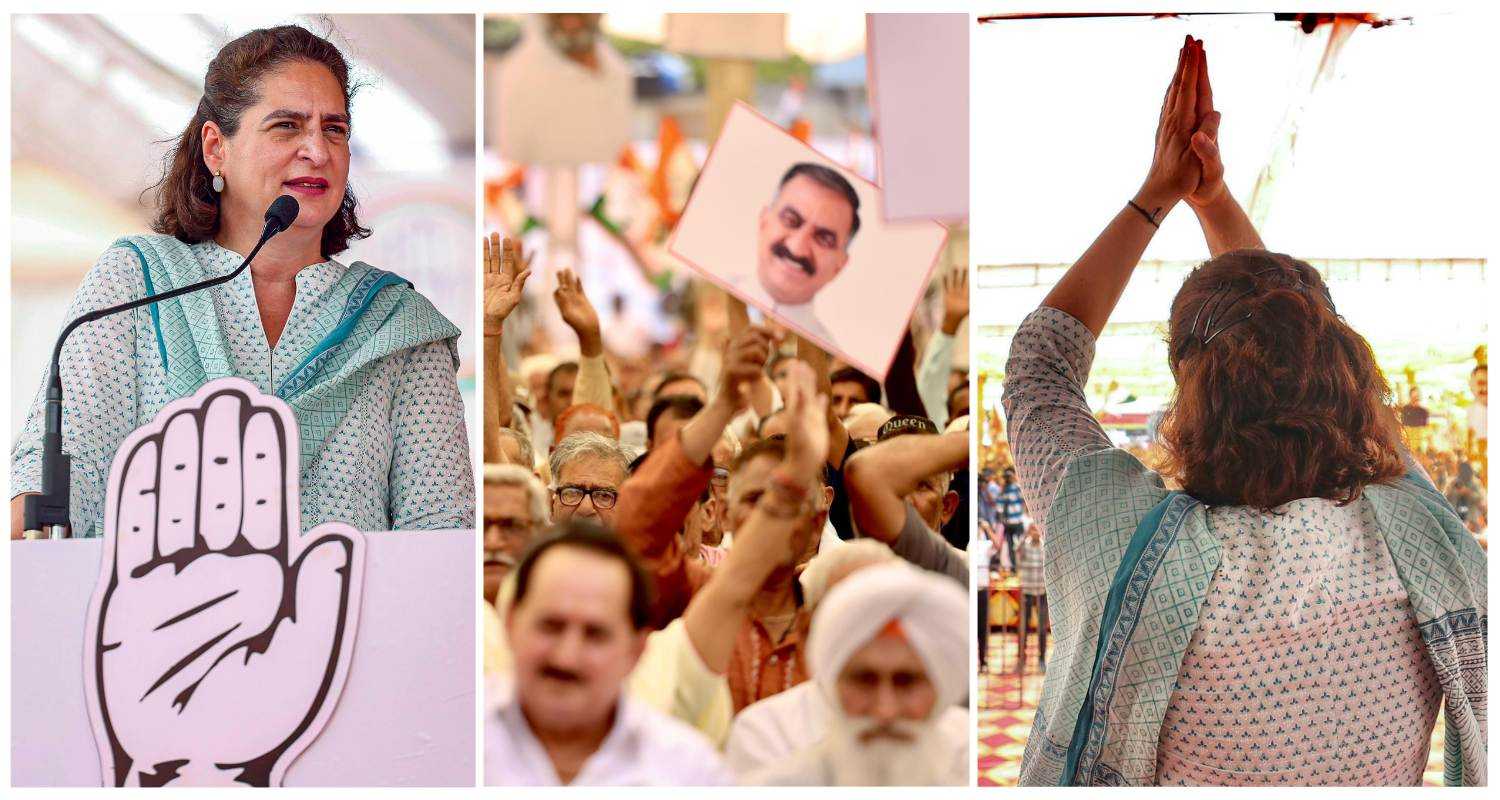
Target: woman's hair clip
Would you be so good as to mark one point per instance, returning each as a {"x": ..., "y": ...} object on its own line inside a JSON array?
[
  {"x": 1218, "y": 307},
  {"x": 1216, "y": 300}
]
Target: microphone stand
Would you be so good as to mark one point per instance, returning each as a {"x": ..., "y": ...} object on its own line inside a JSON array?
[{"x": 47, "y": 513}]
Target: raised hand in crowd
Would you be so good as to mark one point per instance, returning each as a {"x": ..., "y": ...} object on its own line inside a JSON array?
[
  {"x": 744, "y": 366},
  {"x": 955, "y": 298},
  {"x": 936, "y": 367},
  {"x": 593, "y": 384},
  {"x": 762, "y": 391},
  {"x": 807, "y": 436},
  {"x": 579, "y": 313},
  {"x": 886, "y": 483},
  {"x": 838, "y": 436},
  {"x": 767, "y": 539},
  {"x": 505, "y": 272}
]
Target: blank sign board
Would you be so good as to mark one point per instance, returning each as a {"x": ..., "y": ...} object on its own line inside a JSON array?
[{"x": 919, "y": 98}]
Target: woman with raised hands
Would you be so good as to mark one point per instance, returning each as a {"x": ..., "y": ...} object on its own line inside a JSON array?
[{"x": 1293, "y": 613}]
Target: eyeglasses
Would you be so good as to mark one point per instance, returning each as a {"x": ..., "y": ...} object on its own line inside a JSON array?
[
  {"x": 510, "y": 526},
  {"x": 570, "y": 496},
  {"x": 720, "y": 477}
]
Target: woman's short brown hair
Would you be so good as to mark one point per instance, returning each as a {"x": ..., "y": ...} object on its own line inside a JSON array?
[
  {"x": 1277, "y": 397},
  {"x": 186, "y": 205}
]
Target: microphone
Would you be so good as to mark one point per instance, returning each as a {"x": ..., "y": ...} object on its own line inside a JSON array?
[{"x": 48, "y": 512}]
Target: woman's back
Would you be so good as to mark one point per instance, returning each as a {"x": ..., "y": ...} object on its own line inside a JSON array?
[{"x": 1306, "y": 667}]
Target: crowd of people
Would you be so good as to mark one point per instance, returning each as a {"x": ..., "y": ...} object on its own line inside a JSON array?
[
  {"x": 1455, "y": 456},
  {"x": 749, "y": 572},
  {"x": 1007, "y": 551}
]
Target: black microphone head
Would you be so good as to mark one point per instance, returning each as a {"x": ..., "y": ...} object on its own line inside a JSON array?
[{"x": 282, "y": 213}]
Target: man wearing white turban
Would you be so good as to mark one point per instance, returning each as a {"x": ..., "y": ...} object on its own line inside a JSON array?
[{"x": 888, "y": 651}]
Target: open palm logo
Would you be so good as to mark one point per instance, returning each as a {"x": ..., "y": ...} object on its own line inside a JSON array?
[{"x": 219, "y": 635}]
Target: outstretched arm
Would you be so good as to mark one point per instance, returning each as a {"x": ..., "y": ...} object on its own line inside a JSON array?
[
  {"x": 505, "y": 273},
  {"x": 762, "y": 391},
  {"x": 838, "y": 436},
  {"x": 902, "y": 395},
  {"x": 1225, "y": 225},
  {"x": 744, "y": 364},
  {"x": 498, "y": 405},
  {"x": 593, "y": 384},
  {"x": 717, "y": 612},
  {"x": 1093, "y": 285},
  {"x": 880, "y": 477},
  {"x": 937, "y": 357},
  {"x": 655, "y": 500}
]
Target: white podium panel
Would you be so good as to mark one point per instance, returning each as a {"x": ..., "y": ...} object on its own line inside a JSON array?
[{"x": 405, "y": 717}]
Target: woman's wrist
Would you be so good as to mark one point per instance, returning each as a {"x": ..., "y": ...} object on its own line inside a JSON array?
[{"x": 1156, "y": 202}]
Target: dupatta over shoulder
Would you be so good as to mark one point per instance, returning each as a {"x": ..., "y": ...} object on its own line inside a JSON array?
[
  {"x": 1128, "y": 566},
  {"x": 380, "y": 314}
]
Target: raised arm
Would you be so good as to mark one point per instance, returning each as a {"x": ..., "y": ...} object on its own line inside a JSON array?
[
  {"x": 880, "y": 477},
  {"x": 717, "y": 612},
  {"x": 744, "y": 364},
  {"x": 902, "y": 395},
  {"x": 762, "y": 391},
  {"x": 655, "y": 500},
  {"x": 1089, "y": 290},
  {"x": 593, "y": 384},
  {"x": 838, "y": 436},
  {"x": 1225, "y": 225},
  {"x": 937, "y": 357},
  {"x": 505, "y": 274}
]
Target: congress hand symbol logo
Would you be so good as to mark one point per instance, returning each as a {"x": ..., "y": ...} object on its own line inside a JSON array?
[{"x": 219, "y": 634}]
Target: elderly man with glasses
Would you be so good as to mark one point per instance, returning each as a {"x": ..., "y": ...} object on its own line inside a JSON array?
[
  {"x": 515, "y": 508},
  {"x": 587, "y": 470}
]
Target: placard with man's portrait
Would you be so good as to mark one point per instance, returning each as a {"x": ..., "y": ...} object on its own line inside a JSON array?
[{"x": 799, "y": 237}]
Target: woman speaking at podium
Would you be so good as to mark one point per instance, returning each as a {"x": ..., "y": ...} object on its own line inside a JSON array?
[{"x": 366, "y": 363}]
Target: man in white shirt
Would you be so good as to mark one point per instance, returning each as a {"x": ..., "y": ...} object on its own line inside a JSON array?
[
  {"x": 889, "y": 654},
  {"x": 802, "y": 244},
  {"x": 779, "y": 727},
  {"x": 576, "y": 629}
]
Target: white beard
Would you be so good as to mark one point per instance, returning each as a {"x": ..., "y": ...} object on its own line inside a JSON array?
[{"x": 883, "y": 761}]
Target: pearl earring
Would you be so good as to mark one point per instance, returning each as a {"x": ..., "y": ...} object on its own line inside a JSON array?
[{"x": 218, "y": 183}]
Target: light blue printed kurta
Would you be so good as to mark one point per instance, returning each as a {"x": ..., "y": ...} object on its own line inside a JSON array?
[
  {"x": 394, "y": 456},
  {"x": 1130, "y": 567}
]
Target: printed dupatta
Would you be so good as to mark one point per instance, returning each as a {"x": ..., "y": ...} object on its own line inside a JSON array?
[
  {"x": 1128, "y": 566},
  {"x": 380, "y": 315}
]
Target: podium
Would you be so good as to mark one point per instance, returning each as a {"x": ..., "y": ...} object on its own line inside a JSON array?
[{"x": 407, "y": 713}]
